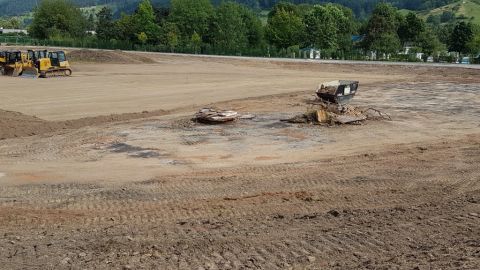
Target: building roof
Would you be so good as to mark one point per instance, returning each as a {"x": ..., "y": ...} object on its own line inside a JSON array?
[
  {"x": 357, "y": 38},
  {"x": 8, "y": 31}
]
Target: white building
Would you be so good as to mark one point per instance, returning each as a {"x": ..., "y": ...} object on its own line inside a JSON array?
[
  {"x": 13, "y": 31},
  {"x": 310, "y": 53}
]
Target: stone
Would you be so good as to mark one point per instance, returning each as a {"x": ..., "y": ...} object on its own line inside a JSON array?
[{"x": 66, "y": 260}]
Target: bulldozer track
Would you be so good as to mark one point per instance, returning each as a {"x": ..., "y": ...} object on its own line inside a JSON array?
[{"x": 56, "y": 73}]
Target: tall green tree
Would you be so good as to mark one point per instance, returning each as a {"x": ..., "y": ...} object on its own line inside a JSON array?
[
  {"x": 474, "y": 44},
  {"x": 191, "y": 16},
  {"x": 284, "y": 7},
  {"x": 285, "y": 28},
  {"x": 255, "y": 30},
  {"x": 429, "y": 43},
  {"x": 229, "y": 31},
  {"x": 329, "y": 27},
  {"x": 144, "y": 19},
  {"x": 141, "y": 26},
  {"x": 461, "y": 36},
  {"x": 195, "y": 42},
  {"x": 57, "y": 18},
  {"x": 90, "y": 21},
  {"x": 382, "y": 30},
  {"x": 127, "y": 28},
  {"x": 170, "y": 36},
  {"x": 410, "y": 28},
  {"x": 105, "y": 25}
]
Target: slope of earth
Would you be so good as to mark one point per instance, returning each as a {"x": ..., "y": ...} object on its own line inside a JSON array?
[
  {"x": 117, "y": 57},
  {"x": 15, "y": 124}
]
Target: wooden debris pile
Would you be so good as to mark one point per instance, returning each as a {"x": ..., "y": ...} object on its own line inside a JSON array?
[{"x": 334, "y": 114}]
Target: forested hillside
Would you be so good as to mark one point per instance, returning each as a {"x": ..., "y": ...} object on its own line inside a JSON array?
[{"x": 361, "y": 8}]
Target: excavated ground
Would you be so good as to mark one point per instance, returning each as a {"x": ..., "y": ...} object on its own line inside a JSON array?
[{"x": 95, "y": 183}]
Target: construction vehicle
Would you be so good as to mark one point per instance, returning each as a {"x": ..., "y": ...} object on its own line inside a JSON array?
[
  {"x": 32, "y": 64},
  {"x": 54, "y": 64},
  {"x": 36, "y": 63},
  {"x": 14, "y": 62},
  {"x": 3, "y": 60}
]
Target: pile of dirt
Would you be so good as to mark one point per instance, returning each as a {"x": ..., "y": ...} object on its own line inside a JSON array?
[
  {"x": 111, "y": 57},
  {"x": 15, "y": 124}
]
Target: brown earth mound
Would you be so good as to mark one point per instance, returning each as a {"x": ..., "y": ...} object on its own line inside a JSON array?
[
  {"x": 15, "y": 124},
  {"x": 115, "y": 57}
]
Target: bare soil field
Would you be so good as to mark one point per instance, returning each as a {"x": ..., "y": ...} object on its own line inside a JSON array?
[{"x": 106, "y": 170}]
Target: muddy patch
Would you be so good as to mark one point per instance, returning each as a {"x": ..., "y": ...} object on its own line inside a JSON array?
[{"x": 134, "y": 151}]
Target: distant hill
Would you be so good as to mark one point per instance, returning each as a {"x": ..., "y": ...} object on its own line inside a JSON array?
[
  {"x": 463, "y": 10},
  {"x": 361, "y": 8},
  {"x": 20, "y": 7}
]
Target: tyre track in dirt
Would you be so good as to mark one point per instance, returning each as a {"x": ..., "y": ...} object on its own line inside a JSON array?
[
  {"x": 347, "y": 212},
  {"x": 308, "y": 186}
]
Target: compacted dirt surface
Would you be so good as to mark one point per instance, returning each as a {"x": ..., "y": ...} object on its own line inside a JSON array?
[{"x": 106, "y": 169}]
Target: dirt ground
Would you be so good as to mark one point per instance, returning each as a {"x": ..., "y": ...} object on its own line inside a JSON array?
[{"x": 105, "y": 169}]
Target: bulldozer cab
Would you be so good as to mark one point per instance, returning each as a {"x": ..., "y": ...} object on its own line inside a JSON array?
[
  {"x": 13, "y": 57},
  {"x": 35, "y": 56},
  {"x": 58, "y": 59}
]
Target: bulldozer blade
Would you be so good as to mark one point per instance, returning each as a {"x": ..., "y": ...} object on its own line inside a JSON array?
[
  {"x": 17, "y": 71},
  {"x": 30, "y": 72},
  {"x": 8, "y": 71}
]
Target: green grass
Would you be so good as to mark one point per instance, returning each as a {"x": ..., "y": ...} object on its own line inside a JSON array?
[
  {"x": 470, "y": 9},
  {"x": 404, "y": 11}
]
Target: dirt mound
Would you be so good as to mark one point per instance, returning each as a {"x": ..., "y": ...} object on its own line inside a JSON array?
[
  {"x": 115, "y": 57},
  {"x": 15, "y": 124}
]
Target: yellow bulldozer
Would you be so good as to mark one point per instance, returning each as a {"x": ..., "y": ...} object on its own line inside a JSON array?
[
  {"x": 2, "y": 61},
  {"x": 49, "y": 64},
  {"x": 36, "y": 63},
  {"x": 13, "y": 63}
]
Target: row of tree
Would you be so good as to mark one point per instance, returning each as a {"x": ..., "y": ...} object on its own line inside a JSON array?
[
  {"x": 231, "y": 28},
  {"x": 361, "y": 8}
]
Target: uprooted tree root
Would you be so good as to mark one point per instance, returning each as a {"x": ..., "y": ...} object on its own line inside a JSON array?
[
  {"x": 380, "y": 115},
  {"x": 335, "y": 114}
]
